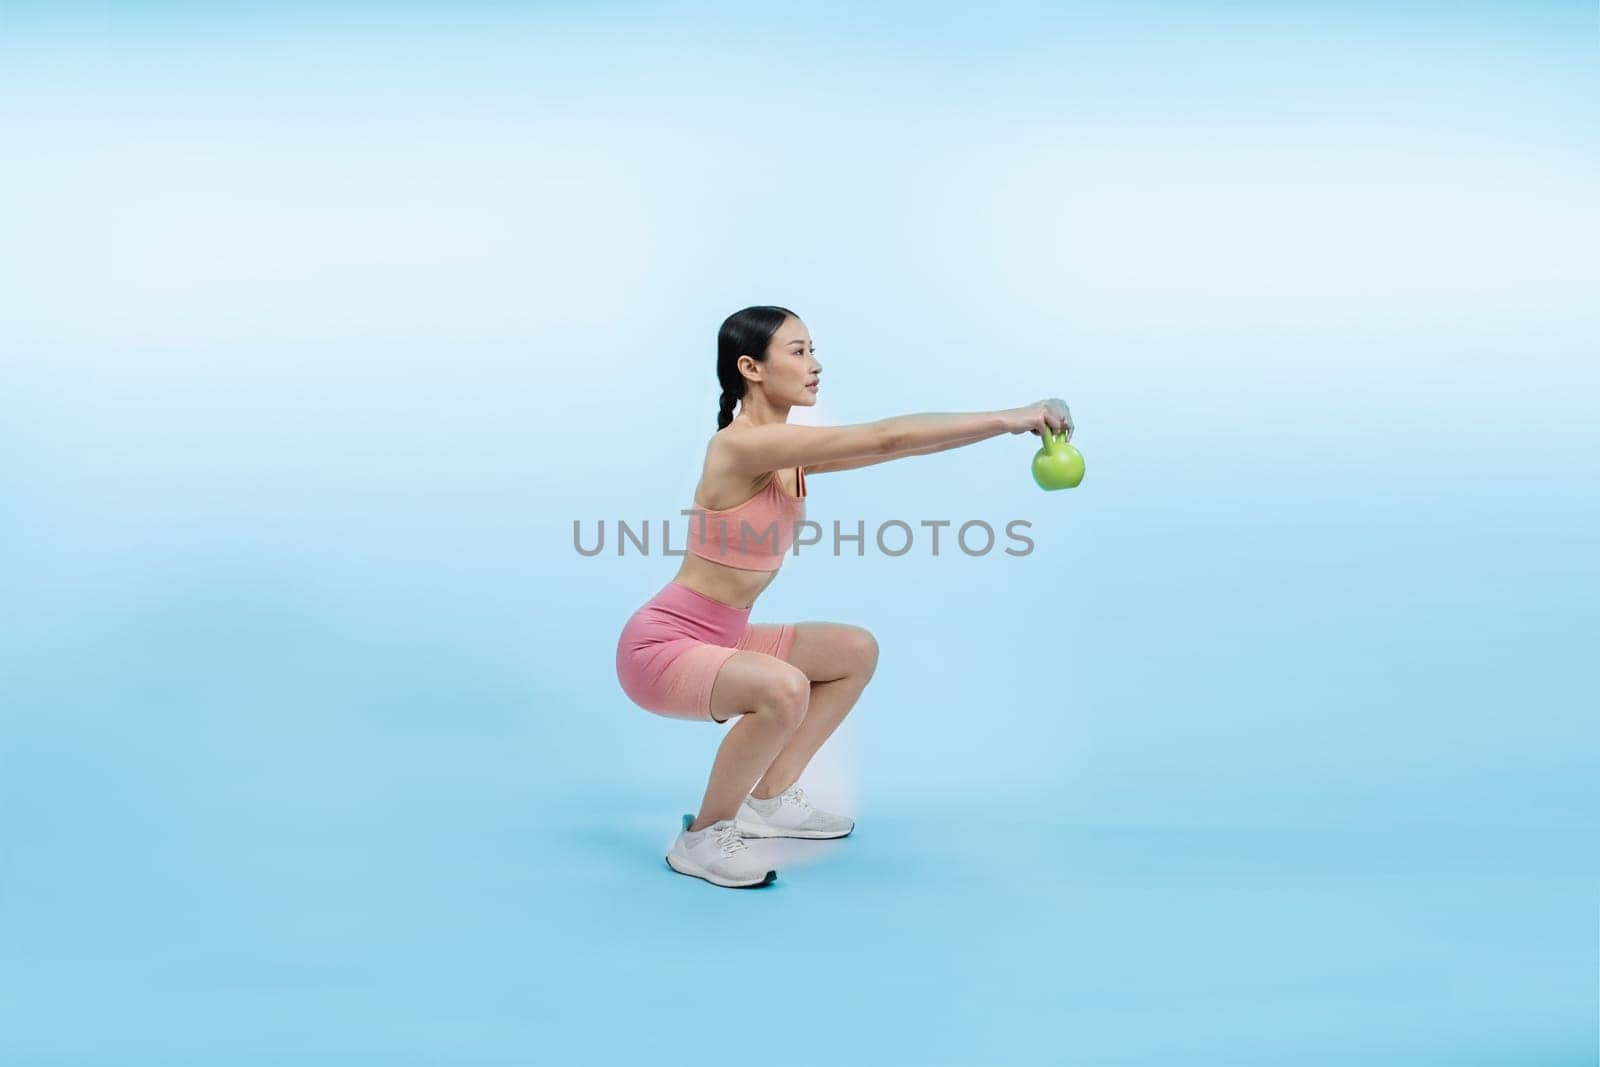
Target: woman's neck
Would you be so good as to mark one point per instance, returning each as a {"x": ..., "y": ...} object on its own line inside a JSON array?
[{"x": 760, "y": 414}]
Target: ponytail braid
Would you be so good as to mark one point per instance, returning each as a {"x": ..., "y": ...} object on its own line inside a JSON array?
[{"x": 725, "y": 412}]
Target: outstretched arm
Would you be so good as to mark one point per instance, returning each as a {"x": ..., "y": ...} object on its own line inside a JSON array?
[
  {"x": 1049, "y": 415},
  {"x": 867, "y": 461},
  {"x": 778, "y": 445}
]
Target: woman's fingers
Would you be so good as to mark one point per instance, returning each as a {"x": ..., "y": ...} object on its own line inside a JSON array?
[
  {"x": 1052, "y": 417},
  {"x": 1063, "y": 416}
]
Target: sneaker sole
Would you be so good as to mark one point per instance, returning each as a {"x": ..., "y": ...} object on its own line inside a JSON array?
[
  {"x": 696, "y": 872},
  {"x": 752, "y": 830}
]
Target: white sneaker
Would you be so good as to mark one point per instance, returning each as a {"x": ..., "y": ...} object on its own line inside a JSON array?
[
  {"x": 789, "y": 814},
  {"x": 719, "y": 855}
]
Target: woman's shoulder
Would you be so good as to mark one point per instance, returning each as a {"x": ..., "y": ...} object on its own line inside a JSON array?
[
  {"x": 717, "y": 450},
  {"x": 720, "y": 479}
]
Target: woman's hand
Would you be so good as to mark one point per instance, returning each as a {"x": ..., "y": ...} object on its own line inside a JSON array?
[{"x": 1050, "y": 415}]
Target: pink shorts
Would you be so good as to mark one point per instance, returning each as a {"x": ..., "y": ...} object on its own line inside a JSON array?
[{"x": 672, "y": 648}]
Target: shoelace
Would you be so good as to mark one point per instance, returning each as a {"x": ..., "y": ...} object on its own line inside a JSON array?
[
  {"x": 728, "y": 839},
  {"x": 795, "y": 795}
]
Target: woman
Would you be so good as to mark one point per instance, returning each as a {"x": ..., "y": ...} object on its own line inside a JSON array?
[{"x": 690, "y": 651}]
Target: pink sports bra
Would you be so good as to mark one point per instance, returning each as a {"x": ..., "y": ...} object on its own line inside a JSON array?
[{"x": 754, "y": 535}]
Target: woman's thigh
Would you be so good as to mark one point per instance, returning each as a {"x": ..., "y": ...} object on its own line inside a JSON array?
[
  {"x": 773, "y": 659},
  {"x": 824, "y": 651},
  {"x": 671, "y": 678},
  {"x": 750, "y": 681}
]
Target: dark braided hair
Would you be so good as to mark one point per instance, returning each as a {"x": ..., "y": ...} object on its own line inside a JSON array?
[{"x": 746, "y": 332}]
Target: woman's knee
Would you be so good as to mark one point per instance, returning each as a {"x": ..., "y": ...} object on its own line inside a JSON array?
[
  {"x": 786, "y": 696},
  {"x": 861, "y": 647},
  {"x": 752, "y": 683}
]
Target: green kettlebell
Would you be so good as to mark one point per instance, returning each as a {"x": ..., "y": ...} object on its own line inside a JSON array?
[{"x": 1057, "y": 465}]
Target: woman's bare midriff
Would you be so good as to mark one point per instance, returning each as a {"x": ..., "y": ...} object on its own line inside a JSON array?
[{"x": 733, "y": 586}]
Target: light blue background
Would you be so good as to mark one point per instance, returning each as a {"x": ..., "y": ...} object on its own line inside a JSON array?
[{"x": 323, "y": 323}]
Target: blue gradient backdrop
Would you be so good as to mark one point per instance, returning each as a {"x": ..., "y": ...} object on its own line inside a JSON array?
[{"x": 322, "y": 323}]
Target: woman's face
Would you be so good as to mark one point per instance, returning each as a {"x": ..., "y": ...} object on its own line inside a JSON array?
[{"x": 791, "y": 371}]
